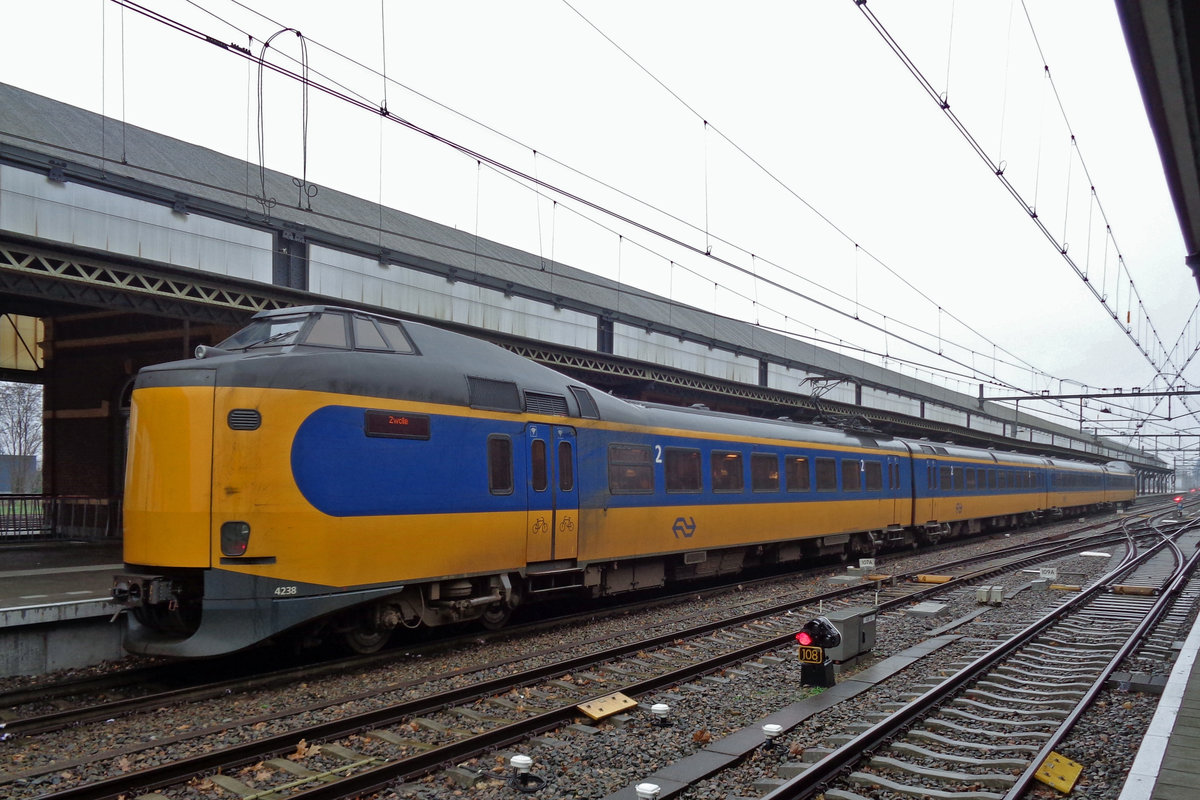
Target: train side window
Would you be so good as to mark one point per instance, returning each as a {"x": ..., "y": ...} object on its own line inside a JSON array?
[
  {"x": 944, "y": 475},
  {"x": 970, "y": 478},
  {"x": 630, "y": 469},
  {"x": 682, "y": 469},
  {"x": 537, "y": 466},
  {"x": 991, "y": 475},
  {"x": 796, "y": 472},
  {"x": 587, "y": 406},
  {"x": 726, "y": 469},
  {"x": 873, "y": 476},
  {"x": 959, "y": 478},
  {"x": 566, "y": 467},
  {"x": 826, "y": 475},
  {"x": 764, "y": 472},
  {"x": 500, "y": 465},
  {"x": 851, "y": 475}
]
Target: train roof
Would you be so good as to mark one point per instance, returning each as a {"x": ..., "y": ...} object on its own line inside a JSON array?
[{"x": 432, "y": 364}]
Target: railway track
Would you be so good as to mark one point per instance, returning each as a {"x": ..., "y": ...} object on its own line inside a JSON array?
[
  {"x": 413, "y": 737},
  {"x": 985, "y": 732},
  {"x": 44, "y": 708}
]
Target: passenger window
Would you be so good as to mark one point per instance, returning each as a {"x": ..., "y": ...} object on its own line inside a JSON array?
[
  {"x": 970, "y": 478},
  {"x": 944, "y": 481},
  {"x": 958, "y": 477},
  {"x": 566, "y": 468},
  {"x": 991, "y": 473},
  {"x": 500, "y": 479},
  {"x": 764, "y": 472},
  {"x": 873, "y": 476},
  {"x": 796, "y": 471},
  {"x": 826, "y": 475},
  {"x": 682, "y": 468},
  {"x": 727, "y": 472},
  {"x": 630, "y": 470},
  {"x": 537, "y": 465},
  {"x": 851, "y": 475}
]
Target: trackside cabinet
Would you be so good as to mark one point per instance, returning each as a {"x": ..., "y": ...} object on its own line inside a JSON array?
[{"x": 857, "y": 626}]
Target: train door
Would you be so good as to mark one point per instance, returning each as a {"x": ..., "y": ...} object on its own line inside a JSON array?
[
  {"x": 552, "y": 526},
  {"x": 901, "y": 510}
]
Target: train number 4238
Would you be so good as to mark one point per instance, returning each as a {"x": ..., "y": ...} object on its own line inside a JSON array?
[{"x": 285, "y": 591}]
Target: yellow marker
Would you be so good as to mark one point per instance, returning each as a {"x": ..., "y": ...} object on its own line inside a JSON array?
[
  {"x": 1059, "y": 772},
  {"x": 606, "y": 706}
]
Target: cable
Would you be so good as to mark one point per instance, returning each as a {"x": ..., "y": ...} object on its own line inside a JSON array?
[
  {"x": 911, "y": 66},
  {"x": 533, "y": 180},
  {"x": 704, "y": 230}
]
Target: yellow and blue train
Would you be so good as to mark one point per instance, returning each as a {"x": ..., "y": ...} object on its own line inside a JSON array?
[{"x": 327, "y": 471}]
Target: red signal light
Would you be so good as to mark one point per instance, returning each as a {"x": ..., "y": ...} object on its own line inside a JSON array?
[
  {"x": 1179, "y": 499},
  {"x": 804, "y": 638}
]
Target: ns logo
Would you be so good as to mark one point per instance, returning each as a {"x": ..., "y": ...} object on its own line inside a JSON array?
[{"x": 684, "y": 527}]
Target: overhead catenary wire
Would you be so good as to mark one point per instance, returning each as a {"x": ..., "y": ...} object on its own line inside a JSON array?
[
  {"x": 776, "y": 179},
  {"x": 535, "y": 181},
  {"x": 708, "y": 235},
  {"x": 338, "y": 92},
  {"x": 1030, "y": 209}
]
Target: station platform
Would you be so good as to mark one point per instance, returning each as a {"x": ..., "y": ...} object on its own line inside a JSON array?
[
  {"x": 1167, "y": 765},
  {"x": 54, "y": 609}
]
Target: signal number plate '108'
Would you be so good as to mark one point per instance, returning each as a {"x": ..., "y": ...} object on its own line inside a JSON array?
[{"x": 812, "y": 655}]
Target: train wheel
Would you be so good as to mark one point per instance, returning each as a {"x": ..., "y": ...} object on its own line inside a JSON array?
[
  {"x": 496, "y": 616},
  {"x": 365, "y": 640}
]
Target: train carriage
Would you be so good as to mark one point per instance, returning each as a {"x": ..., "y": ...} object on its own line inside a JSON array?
[{"x": 332, "y": 472}]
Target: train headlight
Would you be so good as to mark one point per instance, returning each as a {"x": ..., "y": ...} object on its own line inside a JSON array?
[{"x": 235, "y": 537}]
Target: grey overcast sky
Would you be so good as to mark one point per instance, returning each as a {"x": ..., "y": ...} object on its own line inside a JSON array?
[{"x": 784, "y": 136}]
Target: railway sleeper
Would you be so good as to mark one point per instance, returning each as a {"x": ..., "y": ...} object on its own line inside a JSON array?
[
  {"x": 883, "y": 782},
  {"x": 993, "y": 779}
]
